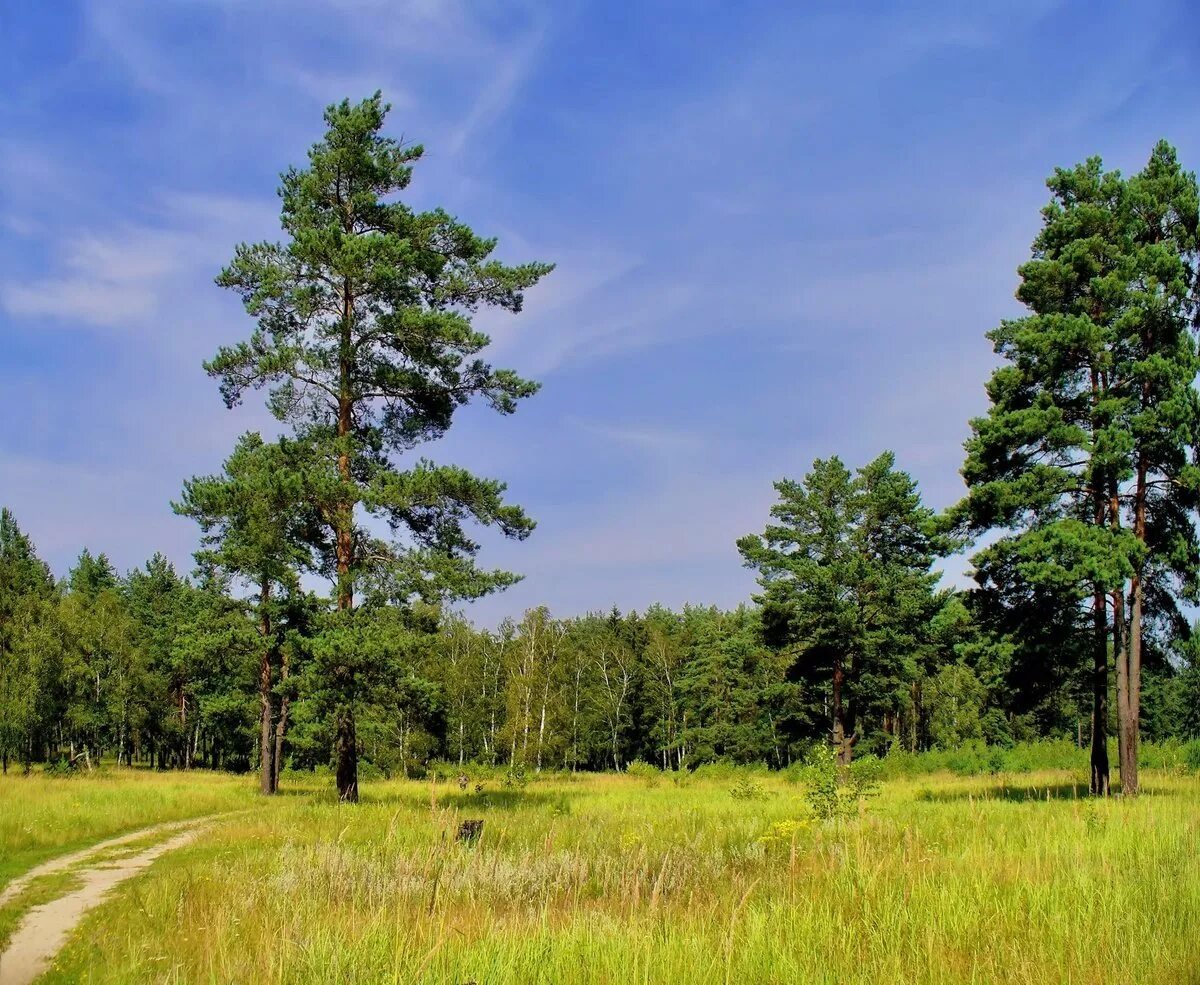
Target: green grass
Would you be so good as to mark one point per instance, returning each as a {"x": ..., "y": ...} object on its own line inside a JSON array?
[
  {"x": 624, "y": 879},
  {"x": 42, "y": 890},
  {"x": 41, "y": 817}
]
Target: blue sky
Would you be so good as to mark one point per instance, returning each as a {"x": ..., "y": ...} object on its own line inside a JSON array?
[{"x": 782, "y": 230}]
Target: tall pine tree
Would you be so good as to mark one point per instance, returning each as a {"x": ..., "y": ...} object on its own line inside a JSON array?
[
  {"x": 365, "y": 338},
  {"x": 1085, "y": 458}
]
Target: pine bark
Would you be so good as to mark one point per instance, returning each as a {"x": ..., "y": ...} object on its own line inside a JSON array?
[
  {"x": 266, "y": 766},
  {"x": 345, "y": 736},
  {"x": 1099, "y": 755},
  {"x": 281, "y": 722}
]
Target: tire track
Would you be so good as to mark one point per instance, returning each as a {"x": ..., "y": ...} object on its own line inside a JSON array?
[{"x": 44, "y": 929}]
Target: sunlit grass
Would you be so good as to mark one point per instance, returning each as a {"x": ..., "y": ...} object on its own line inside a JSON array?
[
  {"x": 39, "y": 891},
  {"x": 612, "y": 879},
  {"x": 42, "y": 816}
]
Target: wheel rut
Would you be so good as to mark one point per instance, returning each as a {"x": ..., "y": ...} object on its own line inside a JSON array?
[{"x": 44, "y": 930}]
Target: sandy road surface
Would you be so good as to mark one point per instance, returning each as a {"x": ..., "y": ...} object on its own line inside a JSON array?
[{"x": 44, "y": 929}]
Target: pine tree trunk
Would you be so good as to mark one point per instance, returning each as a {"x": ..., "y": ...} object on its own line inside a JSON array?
[
  {"x": 266, "y": 766},
  {"x": 1099, "y": 768},
  {"x": 1125, "y": 748},
  {"x": 282, "y": 721},
  {"x": 841, "y": 738},
  {"x": 345, "y": 741},
  {"x": 1129, "y": 779},
  {"x": 1099, "y": 756}
]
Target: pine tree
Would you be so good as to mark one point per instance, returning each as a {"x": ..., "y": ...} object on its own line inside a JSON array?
[
  {"x": 1155, "y": 365},
  {"x": 365, "y": 337},
  {"x": 258, "y": 526},
  {"x": 1086, "y": 455},
  {"x": 845, "y": 570}
]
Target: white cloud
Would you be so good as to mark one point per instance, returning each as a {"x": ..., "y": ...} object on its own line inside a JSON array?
[
  {"x": 647, "y": 439},
  {"x": 129, "y": 277},
  {"x": 499, "y": 90}
]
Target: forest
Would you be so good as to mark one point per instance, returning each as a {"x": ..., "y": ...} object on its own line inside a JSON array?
[{"x": 323, "y": 628}]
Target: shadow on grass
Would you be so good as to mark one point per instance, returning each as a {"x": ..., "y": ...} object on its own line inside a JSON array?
[
  {"x": 491, "y": 797},
  {"x": 1017, "y": 793},
  {"x": 504, "y": 798}
]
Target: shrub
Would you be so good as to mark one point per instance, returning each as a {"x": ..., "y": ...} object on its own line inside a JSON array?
[
  {"x": 368, "y": 770},
  {"x": 723, "y": 770},
  {"x": 821, "y": 776},
  {"x": 976, "y": 758},
  {"x": 828, "y": 795},
  {"x": 651, "y": 774},
  {"x": 863, "y": 778},
  {"x": 747, "y": 789},
  {"x": 1171, "y": 754},
  {"x": 516, "y": 776},
  {"x": 645, "y": 772}
]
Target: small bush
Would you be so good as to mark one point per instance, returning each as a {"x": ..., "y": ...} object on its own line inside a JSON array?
[
  {"x": 1171, "y": 755},
  {"x": 516, "y": 776},
  {"x": 747, "y": 788},
  {"x": 721, "y": 771},
  {"x": 863, "y": 778},
  {"x": 644, "y": 771},
  {"x": 821, "y": 777},
  {"x": 827, "y": 795},
  {"x": 369, "y": 771},
  {"x": 976, "y": 758}
]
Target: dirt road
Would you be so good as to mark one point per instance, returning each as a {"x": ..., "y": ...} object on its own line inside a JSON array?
[{"x": 45, "y": 928}]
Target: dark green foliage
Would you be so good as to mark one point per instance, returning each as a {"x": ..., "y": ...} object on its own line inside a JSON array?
[
  {"x": 1086, "y": 458},
  {"x": 365, "y": 340},
  {"x": 27, "y": 625},
  {"x": 260, "y": 526},
  {"x": 845, "y": 571}
]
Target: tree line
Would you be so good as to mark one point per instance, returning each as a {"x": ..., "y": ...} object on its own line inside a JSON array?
[
  {"x": 163, "y": 670},
  {"x": 1082, "y": 484}
]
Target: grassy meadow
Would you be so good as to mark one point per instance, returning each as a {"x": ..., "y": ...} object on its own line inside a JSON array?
[
  {"x": 43, "y": 816},
  {"x": 624, "y": 878}
]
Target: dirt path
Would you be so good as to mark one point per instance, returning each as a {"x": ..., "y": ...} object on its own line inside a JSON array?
[
  {"x": 44, "y": 929},
  {"x": 61, "y": 862}
]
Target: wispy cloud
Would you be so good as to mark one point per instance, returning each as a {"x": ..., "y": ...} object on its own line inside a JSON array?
[
  {"x": 781, "y": 231},
  {"x": 128, "y": 277},
  {"x": 653, "y": 440},
  {"x": 499, "y": 90}
]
